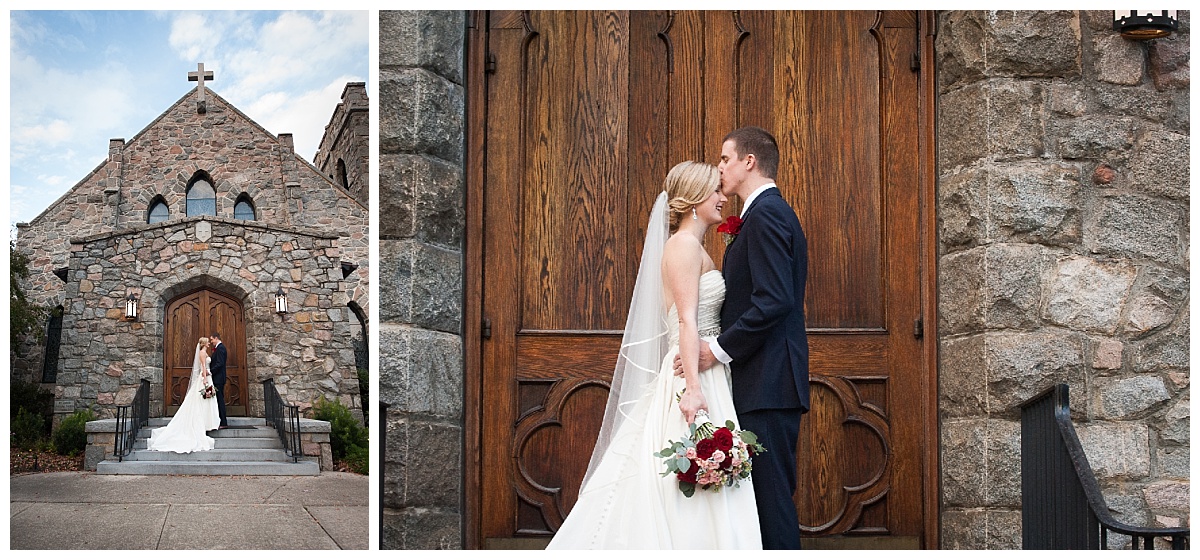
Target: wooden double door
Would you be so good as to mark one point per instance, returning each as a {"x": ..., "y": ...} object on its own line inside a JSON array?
[
  {"x": 574, "y": 120},
  {"x": 192, "y": 316}
]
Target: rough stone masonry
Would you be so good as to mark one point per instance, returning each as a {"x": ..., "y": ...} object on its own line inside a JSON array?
[{"x": 1063, "y": 207}]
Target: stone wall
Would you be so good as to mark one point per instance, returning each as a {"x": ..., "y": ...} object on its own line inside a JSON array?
[
  {"x": 421, "y": 200},
  {"x": 1063, "y": 205},
  {"x": 348, "y": 139},
  {"x": 308, "y": 352}
]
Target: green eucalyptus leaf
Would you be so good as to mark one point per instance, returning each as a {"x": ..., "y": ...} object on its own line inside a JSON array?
[{"x": 683, "y": 464}]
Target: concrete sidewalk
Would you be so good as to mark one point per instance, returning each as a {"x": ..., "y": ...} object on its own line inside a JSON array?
[{"x": 84, "y": 510}]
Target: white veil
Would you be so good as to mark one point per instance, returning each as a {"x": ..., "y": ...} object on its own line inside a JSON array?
[
  {"x": 644, "y": 344},
  {"x": 196, "y": 382}
]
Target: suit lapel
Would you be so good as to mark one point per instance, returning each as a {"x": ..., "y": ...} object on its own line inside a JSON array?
[{"x": 774, "y": 191}]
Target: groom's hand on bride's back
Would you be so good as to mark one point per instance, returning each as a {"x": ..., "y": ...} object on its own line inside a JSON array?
[{"x": 707, "y": 359}]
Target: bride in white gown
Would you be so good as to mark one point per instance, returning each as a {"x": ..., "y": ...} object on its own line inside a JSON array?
[
  {"x": 625, "y": 502},
  {"x": 185, "y": 432}
]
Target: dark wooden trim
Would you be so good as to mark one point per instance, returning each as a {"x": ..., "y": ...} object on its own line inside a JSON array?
[
  {"x": 473, "y": 275},
  {"x": 927, "y": 150}
]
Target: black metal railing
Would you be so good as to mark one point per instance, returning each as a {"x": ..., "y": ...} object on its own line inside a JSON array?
[
  {"x": 285, "y": 418},
  {"x": 383, "y": 424},
  {"x": 130, "y": 419},
  {"x": 1061, "y": 503}
]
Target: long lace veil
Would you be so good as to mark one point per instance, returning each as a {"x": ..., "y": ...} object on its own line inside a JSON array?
[
  {"x": 195, "y": 382},
  {"x": 644, "y": 343}
]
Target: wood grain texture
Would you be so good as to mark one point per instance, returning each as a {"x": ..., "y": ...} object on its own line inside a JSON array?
[{"x": 188, "y": 318}]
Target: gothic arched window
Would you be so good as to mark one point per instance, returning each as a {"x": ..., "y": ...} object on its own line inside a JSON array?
[
  {"x": 53, "y": 340},
  {"x": 201, "y": 197},
  {"x": 158, "y": 211},
  {"x": 244, "y": 209}
]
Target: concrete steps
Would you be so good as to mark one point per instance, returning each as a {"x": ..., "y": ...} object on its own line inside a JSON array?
[{"x": 247, "y": 447}]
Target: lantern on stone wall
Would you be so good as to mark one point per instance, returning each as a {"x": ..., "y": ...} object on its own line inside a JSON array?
[
  {"x": 280, "y": 301},
  {"x": 131, "y": 307},
  {"x": 1142, "y": 25}
]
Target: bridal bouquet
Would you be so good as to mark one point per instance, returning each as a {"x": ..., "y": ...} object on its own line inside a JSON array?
[
  {"x": 710, "y": 457},
  {"x": 208, "y": 391}
]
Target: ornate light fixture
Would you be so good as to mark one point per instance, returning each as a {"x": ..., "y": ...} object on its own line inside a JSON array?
[
  {"x": 1142, "y": 25},
  {"x": 131, "y": 306},
  {"x": 280, "y": 301}
]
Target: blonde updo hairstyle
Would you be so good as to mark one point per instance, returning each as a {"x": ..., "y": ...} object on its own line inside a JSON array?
[
  {"x": 688, "y": 184},
  {"x": 203, "y": 342}
]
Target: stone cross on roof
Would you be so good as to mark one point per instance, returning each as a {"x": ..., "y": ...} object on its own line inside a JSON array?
[{"x": 199, "y": 76}]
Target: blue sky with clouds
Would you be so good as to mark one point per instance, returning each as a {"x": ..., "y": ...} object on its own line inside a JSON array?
[{"x": 78, "y": 78}]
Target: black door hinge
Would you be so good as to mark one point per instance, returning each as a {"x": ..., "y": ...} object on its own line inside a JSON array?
[
  {"x": 919, "y": 328},
  {"x": 490, "y": 66},
  {"x": 487, "y": 329}
]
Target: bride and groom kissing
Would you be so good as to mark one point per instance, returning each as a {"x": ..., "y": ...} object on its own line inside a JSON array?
[
  {"x": 726, "y": 344},
  {"x": 203, "y": 406}
]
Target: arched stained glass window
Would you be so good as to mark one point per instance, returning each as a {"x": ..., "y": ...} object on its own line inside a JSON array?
[
  {"x": 201, "y": 198},
  {"x": 158, "y": 211},
  {"x": 244, "y": 209}
]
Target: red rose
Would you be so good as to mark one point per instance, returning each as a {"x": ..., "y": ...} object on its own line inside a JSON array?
[
  {"x": 728, "y": 462},
  {"x": 732, "y": 225},
  {"x": 724, "y": 439},
  {"x": 690, "y": 475},
  {"x": 705, "y": 448}
]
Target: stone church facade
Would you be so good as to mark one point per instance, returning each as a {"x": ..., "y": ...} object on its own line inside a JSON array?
[
  {"x": 204, "y": 217},
  {"x": 1062, "y": 224}
]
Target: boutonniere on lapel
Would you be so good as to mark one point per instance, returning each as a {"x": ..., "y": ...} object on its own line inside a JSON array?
[{"x": 730, "y": 229}]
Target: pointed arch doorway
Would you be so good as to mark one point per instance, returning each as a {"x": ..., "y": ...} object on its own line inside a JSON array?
[{"x": 193, "y": 315}]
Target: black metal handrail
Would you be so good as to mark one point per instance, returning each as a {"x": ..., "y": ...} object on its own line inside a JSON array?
[
  {"x": 1062, "y": 506},
  {"x": 284, "y": 417},
  {"x": 130, "y": 419},
  {"x": 383, "y": 423}
]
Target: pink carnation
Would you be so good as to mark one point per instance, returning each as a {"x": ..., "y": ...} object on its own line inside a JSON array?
[
  {"x": 691, "y": 453},
  {"x": 718, "y": 456}
]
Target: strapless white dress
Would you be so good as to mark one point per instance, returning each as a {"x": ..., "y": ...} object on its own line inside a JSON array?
[
  {"x": 185, "y": 432},
  {"x": 628, "y": 504}
]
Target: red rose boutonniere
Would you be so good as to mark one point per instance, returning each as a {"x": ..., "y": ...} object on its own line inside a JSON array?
[{"x": 730, "y": 229}]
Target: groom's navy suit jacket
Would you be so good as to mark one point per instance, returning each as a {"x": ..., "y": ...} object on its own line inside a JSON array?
[
  {"x": 217, "y": 366},
  {"x": 762, "y": 319}
]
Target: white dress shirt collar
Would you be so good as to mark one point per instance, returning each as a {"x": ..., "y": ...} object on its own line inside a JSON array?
[{"x": 754, "y": 195}]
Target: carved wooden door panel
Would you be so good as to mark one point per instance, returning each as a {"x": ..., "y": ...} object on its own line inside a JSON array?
[
  {"x": 585, "y": 112},
  {"x": 190, "y": 317}
]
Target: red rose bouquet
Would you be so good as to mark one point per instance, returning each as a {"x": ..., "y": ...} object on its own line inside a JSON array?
[
  {"x": 710, "y": 457},
  {"x": 730, "y": 229},
  {"x": 208, "y": 391}
]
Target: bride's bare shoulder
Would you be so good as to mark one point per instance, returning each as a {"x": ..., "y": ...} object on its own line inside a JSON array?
[
  {"x": 683, "y": 244},
  {"x": 686, "y": 251}
]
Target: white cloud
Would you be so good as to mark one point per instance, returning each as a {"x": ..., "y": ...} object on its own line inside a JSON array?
[
  {"x": 54, "y": 180},
  {"x": 304, "y": 116},
  {"x": 49, "y": 134}
]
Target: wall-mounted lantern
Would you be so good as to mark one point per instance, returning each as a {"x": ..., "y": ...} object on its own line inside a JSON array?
[
  {"x": 280, "y": 301},
  {"x": 131, "y": 307},
  {"x": 1141, "y": 25}
]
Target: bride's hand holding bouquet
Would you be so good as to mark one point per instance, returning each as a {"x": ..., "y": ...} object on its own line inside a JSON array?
[{"x": 710, "y": 457}]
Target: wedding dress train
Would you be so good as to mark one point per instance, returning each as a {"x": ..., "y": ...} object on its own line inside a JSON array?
[
  {"x": 185, "y": 432},
  {"x": 627, "y": 504}
]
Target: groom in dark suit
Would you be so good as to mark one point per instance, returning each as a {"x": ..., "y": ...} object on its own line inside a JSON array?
[
  {"x": 217, "y": 369},
  {"x": 763, "y": 336}
]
